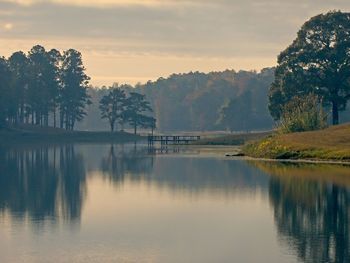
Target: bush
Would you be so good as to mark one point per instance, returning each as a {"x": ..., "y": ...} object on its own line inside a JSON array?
[{"x": 303, "y": 113}]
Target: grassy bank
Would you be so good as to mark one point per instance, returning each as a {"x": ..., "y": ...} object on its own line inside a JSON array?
[
  {"x": 329, "y": 144},
  {"x": 30, "y": 134},
  {"x": 233, "y": 139}
]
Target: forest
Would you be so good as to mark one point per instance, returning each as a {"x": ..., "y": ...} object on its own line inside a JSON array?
[
  {"x": 38, "y": 86},
  {"x": 226, "y": 101}
]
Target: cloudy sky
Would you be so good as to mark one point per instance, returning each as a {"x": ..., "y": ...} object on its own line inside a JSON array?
[{"x": 129, "y": 41}]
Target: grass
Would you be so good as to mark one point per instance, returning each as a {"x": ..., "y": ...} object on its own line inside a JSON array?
[
  {"x": 31, "y": 133},
  {"x": 329, "y": 144},
  {"x": 233, "y": 139}
]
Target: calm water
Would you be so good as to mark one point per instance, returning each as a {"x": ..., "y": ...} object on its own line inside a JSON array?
[{"x": 89, "y": 203}]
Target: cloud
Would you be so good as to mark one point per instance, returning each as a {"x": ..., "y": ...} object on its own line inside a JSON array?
[
  {"x": 242, "y": 32},
  {"x": 8, "y": 26},
  {"x": 107, "y": 3}
]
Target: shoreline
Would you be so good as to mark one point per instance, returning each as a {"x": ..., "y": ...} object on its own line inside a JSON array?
[
  {"x": 62, "y": 136},
  {"x": 229, "y": 153},
  {"x": 220, "y": 150},
  {"x": 285, "y": 148},
  {"x": 306, "y": 161},
  {"x": 331, "y": 145}
]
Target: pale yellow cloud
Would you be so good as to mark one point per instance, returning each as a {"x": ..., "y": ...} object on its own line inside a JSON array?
[
  {"x": 7, "y": 26},
  {"x": 22, "y": 2},
  {"x": 106, "y": 66},
  {"x": 100, "y": 3}
]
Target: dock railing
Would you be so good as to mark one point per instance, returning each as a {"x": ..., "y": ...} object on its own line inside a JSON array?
[{"x": 172, "y": 139}]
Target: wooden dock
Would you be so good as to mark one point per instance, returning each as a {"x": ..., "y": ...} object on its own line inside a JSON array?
[{"x": 172, "y": 139}]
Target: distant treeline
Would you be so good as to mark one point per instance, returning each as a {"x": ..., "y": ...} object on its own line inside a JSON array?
[
  {"x": 229, "y": 100},
  {"x": 41, "y": 86}
]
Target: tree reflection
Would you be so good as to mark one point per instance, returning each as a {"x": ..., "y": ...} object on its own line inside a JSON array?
[
  {"x": 72, "y": 183},
  {"x": 313, "y": 217},
  {"x": 180, "y": 173},
  {"x": 42, "y": 183},
  {"x": 122, "y": 160}
]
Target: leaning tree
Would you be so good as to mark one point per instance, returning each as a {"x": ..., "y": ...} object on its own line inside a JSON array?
[{"x": 318, "y": 61}]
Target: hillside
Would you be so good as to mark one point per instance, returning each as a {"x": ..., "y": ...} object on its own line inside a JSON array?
[{"x": 330, "y": 144}]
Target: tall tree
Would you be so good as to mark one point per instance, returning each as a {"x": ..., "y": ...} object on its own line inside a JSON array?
[
  {"x": 136, "y": 107},
  {"x": 54, "y": 80},
  {"x": 112, "y": 106},
  {"x": 37, "y": 92},
  {"x": 318, "y": 61},
  {"x": 5, "y": 91},
  {"x": 18, "y": 63},
  {"x": 43, "y": 79},
  {"x": 74, "y": 96}
]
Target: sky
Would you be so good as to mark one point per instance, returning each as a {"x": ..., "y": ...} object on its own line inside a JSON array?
[{"x": 130, "y": 41}]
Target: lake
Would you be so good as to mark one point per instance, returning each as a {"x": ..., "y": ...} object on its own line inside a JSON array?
[{"x": 128, "y": 203}]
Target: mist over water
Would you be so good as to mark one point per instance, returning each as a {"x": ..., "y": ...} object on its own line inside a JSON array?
[{"x": 125, "y": 203}]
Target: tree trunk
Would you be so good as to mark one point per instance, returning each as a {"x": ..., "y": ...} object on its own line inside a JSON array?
[
  {"x": 67, "y": 122},
  {"x": 112, "y": 126},
  {"x": 135, "y": 128},
  {"x": 54, "y": 117},
  {"x": 61, "y": 119},
  {"x": 73, "y": 124},
  {"x": 37, "y": 118},
  {"x": 22, "y": 113},
  {"x": 335, "y": 113},
  {"x": 46, "y": 119}
]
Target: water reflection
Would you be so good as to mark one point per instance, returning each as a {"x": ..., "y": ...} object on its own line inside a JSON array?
[
  {"x": 227, "y": 198},
  {"x": 180, "y": 173},
  {"x": 122, "y": 160},
  {"x": 42, "y": 183},
  {"x": 312, "y": 216},
  {"x": 50, "y": 182}
]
